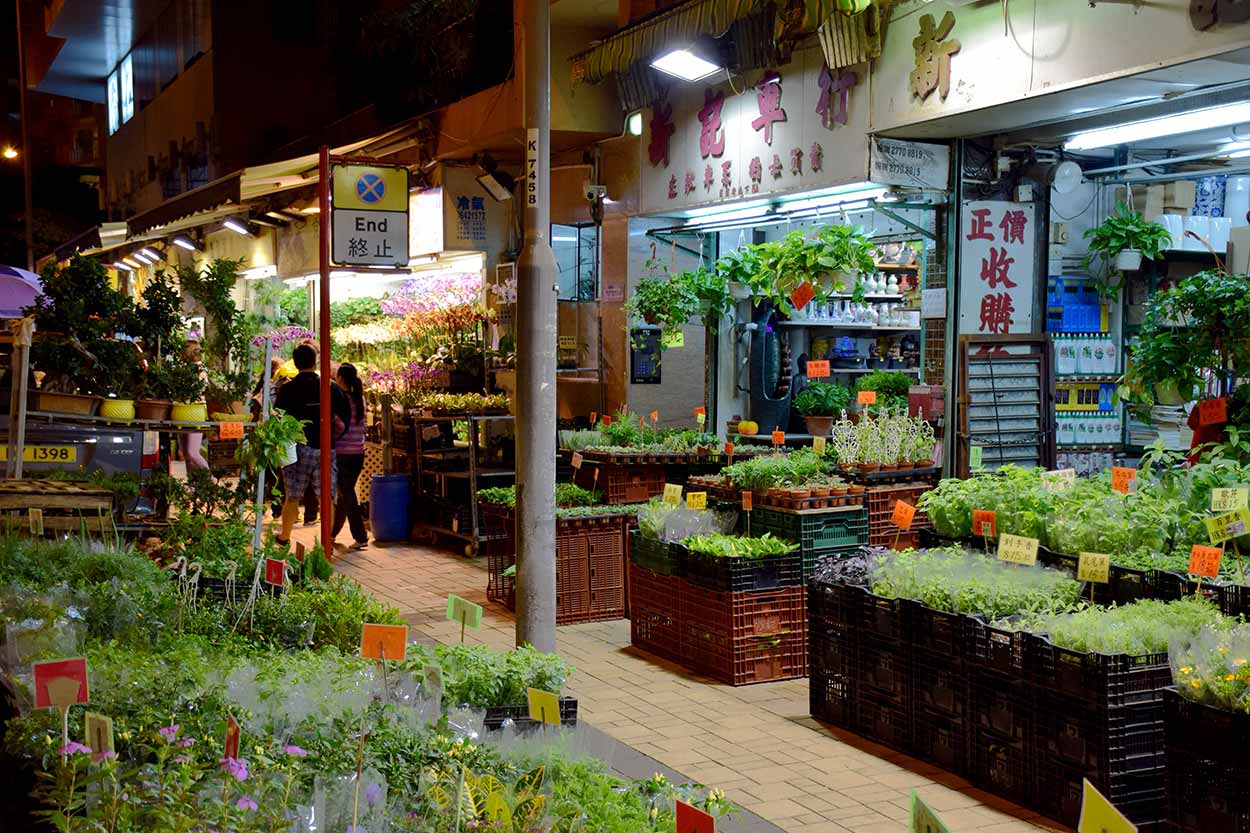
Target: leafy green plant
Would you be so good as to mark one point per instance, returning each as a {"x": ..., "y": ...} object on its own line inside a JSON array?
[
  {"x": 845, "y": 249},
  {"x": 823, "y": 399},
  {"x": 710, "y": 291},
  {"x": 265, "y": 446},
  {"x": 567, "y": 495},
  {"x": 472, "y": 403},
  {"x": 1212, "y": 666},
  {"x": 1146, "y": 626},
  {"x": 734, "y": 546},
  {"x": 1123, "y": 230},
  {"x": 891, "y": 388},
  {"x": 664, "y": 301},
  {"x": 227, "y": 341}
]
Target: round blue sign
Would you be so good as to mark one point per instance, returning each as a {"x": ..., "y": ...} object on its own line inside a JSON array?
[{"x": 370, "y": 187}]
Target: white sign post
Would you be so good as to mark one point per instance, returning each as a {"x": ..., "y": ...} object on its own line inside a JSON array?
[{"x": 997, "y": 243}]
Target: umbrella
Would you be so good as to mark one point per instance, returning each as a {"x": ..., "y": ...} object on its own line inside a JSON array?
[{"x": 18, "y": 289}]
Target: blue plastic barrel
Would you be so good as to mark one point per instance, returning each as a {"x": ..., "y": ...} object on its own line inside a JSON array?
[{"x": 389, "y": 498}]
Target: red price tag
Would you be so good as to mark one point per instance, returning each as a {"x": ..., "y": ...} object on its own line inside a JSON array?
[
  {"x": 1213, "y": 411},
  {"x": 693, "y": 820},
  {"x": 1121, "y": 477},
  {"x": 779, "y": 438},
  {"x": 275, "y": 571},
  {"x": 230, "y": 430},
  {"x": 60, "y": 683},
  {"x": 903, "y": 514},
  {"x": 729, "y": 449},
  {"x": 802, "y": 295},
  {"x": 867, "y": 397},
  {"x": 1204, "y": 561},
  {"x": 818, "y": 370},
  {"x": 594, "y": 416},
  {"x": 984, "y": 523},
  {"x": 606, "y": 421},
  {"x": 748, "y": 500}
]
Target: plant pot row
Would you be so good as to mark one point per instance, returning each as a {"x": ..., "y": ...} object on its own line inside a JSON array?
[{"x": 78, "y": 404}]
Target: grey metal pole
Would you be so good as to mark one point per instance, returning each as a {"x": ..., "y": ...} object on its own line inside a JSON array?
[
  {"x": 536, "y": 355},
  {"x": 28, "y": 219}
]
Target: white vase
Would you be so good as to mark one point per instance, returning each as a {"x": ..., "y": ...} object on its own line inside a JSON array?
[
  {"x": 892, "y": 285},
  {"x": 739, "y": 291},
  {"x": 1128, "y": 260}
]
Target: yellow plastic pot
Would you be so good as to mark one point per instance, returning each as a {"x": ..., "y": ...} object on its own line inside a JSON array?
[
  {"x": 189, "y": 412},
  {"x": 118, "y": 408}
]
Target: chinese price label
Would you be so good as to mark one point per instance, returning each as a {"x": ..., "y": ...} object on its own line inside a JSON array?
[
  {"x": 779, "y": 438},
  {"x": 903, "y": 515},
  {"x": 818, "y": 369},
  {"x": 1204, "y": 561},
  {"x": 693, "y": 820},
  {"x": 729, "y": 449},
  {"x": 60, "y": 683},
  {"x": 1059, "y": 480},
  {"x": 544, "y": 706},
  {"x": 383, "y": 641},
  {"x": 802, "y": 294},
  {"x": 655, "y": 417},
  {"x": 1230, "y": 525},
  {"x": 867, "y": 397},
  {"x": 230, "y": 430},
  {"x": 233, "y": 734},
  {"x": 1229, "y": 499},
  {"x": 594, "y": 417},
  {"x": 748, "y": 501},
  {"x": 1121, "y": 477},
  {"x": 696, "y": 500},
  {"x": 577, "y": 460},
  {"x": 976, "y": 456},
  {"x": 36, "y": 520},
  {"x": 984, "y": 523},
  {"x": 463, "y": 611},
  {"x": 923, "y": 819},
  {"x": 275, "y": 571},
  {"x": 606, "y": 421},
  {"x": 1094, "y": 566},
  {"x": 99, "y": 731},
  {"x": 818, "y": 445},
  {"x": 1017, "y": 549},
  {"x": 1213, "y": 411},
  {"x": 672, "y": 493}
]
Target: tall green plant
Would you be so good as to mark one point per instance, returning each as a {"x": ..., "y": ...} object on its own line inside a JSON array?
[{"x": 227, "y": 340}]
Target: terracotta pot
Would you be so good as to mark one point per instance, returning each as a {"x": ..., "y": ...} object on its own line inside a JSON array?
[
  {"x": 818, "y": 426},
  {"x": 775, "y": 493},
  {"x": 870, "y": 466},
  {"x": 799, "y": 494},
  {"x": 889, "y": 466},
  {"x": 153, "y": 409},
  {"x": 189, "y": 412},
  {"x": 924, "y": 464},
  {"x": 68, "y": 403},
  {"x": 855, "y": 489},
  {"x": 820, "y": 491},
  {"x": 118, "y": 409},
  {"x": 759, "y": 497},
  {"x": 819, "y": 504},
  {"x": 837, "y": 491}
]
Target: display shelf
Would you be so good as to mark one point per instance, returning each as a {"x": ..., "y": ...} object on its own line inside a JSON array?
[
  {"x": 137, "y": 424},
  {"x": 863, "y": 328},
  {"x": 1087, "y": 377},
  {"x": 465, "y": 473},
  {"x": 857, "y": 370},
  {"x": 898, "y": 267},
  {"x": 870, "y": 297}
]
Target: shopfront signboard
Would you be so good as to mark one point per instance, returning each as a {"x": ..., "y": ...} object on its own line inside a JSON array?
[
  {"x": 369, "y": 223},
  {"x": 997, "y": 252},
  {"x": 798, "y": 127},
  {"x": 912, "y": 164}
]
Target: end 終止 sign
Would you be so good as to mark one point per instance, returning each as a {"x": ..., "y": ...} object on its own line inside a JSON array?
[{"x": 369, "y": 220}]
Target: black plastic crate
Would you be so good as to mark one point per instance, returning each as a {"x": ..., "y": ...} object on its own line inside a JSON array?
[
  {"x": 939, "y": 684},
  {"x": 884, "y": 667},
  {"x": 1208, "y": 732},
  {"x": 814, "y": 559},
  {"x": 1100, "y": 680},
  {"x": 520, "y": 715},
  {"x": 657, "y": 556},
  {"x": 1139, "y": 796},
  {"x": 1110, "y": 742},
  {"x": 1128, "y": 584},
  {"x": 936, "y": 630},
  {"x": 1000, "y": 707},
  {"x": 882, "y": 616},
  {"x": 940, "y": 741},
  {"x": 741, "y": 575},
  {"x": 1204, "y": 796},
  {"x": 1169, "y": 586},
  {"x": 1000, "y": 767},
  {"x": 886, "y": 723},
  {"x": 831, "y": 698},
  {"x": 834, "y": 605},
  {"x": 989, "y": 648},
  {"x": 831, "y": 651}
]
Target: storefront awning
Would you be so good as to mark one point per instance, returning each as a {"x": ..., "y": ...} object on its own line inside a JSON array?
[
  {"x": 674, "y": 28},
  {"x": 204, "y": 198}
]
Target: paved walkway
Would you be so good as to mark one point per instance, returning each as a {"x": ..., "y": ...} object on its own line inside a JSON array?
[{"x": 757, "y": 742}]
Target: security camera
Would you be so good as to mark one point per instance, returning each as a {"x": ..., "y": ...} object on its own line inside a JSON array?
[{"x": 593, "y": 192}]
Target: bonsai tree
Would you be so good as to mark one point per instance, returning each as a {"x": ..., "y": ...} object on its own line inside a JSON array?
[{"x": 1120, "y": 243}]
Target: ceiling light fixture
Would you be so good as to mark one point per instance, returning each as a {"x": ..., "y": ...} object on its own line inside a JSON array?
[
  {"x": 184, "y": 243},
  {"x": 141, "y": 257},
  {"x": 685, "y": 64},
  {"x": 133, "y": 264},
  {"x": 1188, "y": 122},
  {"x": 237, "y": 226},
  {"x": 633, "y": 124},
  {"x": 121, "y": 267},
  {"x": 10, "y": 152},
  {"x": 154, "y": 255},
  {"x": 497, "y": 183}
]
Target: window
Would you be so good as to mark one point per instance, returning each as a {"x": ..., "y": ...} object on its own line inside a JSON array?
[
  {"x": 114, "y": 102},
  {"x": 577, "y": 258},
  {"x": 128, "y": 88}
]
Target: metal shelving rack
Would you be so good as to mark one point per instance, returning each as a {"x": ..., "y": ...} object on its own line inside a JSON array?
[{"x": 473, "y": 472}]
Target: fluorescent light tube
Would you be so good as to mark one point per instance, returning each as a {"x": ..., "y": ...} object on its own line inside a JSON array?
[
  {"x": 684, "y": 64},
  {"x": 1137, "y": 131}
]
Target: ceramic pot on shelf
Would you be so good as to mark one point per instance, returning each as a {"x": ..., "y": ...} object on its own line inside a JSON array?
[{"x": 189, "y": 412}]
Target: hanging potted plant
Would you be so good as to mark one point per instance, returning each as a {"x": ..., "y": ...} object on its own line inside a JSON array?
[
  {"x": 662, "y": 301},
  {"x": 738, "y": 268},
  {"x": 819, "y": 403},
  {"x": 845, "y": 252},
  {"x": 1120, "y": 244},
  {"x": 710, "y": 291},
  {"x": 272, "y": 443}
]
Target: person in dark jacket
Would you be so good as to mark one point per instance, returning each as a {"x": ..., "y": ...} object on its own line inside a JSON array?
[{"x": 301, "y": 398}]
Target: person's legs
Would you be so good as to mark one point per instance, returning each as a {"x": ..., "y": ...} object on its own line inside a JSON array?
[
  {"x": 312, "y": 505},
  {"x": 347, "y": 508},
  {"x": 189, "y": 444},
  {"x": 290, "y": 513},
  {"x": 297, "y": 478}
]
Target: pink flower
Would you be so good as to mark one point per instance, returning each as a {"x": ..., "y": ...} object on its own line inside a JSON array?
[
  {"x": 237, "y": 767},
  {"x": 182, "y": 759},
  {"x": 185, "y": 742},
  {"x": 169, "y": 732},
  {"x": 75, "y": 748},
  {"x": 295, "y": 751},
  {"x": 245, "y": 803},
  {"x": 103, "y": 756}
]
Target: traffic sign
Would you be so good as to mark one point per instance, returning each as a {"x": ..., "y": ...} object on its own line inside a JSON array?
[
  {"x": 370, "y": 188},
  {"x": 369, "y": 222}
]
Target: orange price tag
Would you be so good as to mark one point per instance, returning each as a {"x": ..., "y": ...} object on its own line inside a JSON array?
[
  {"x": 230, "y": 430},
  {"x": 1213, "y": 411},
  {"x": 233, "y": 734},
  {"x": 779, "y": 438},
  {"x": 642, "y": 423},
  {"x": 606, "y": 421},
  {"x": 748, "y": 500},
  {"x": 383, "y": 641},
  {"x": 577, "y": 460},
  {"x": 903, "y": 514},
  {"x": 729, "y": 449},
  {"x": 1121, "y": 477},
  {"x": 700, "y": 411},
  {"x": 594, "y": 417},
  {"x": 802, "y": 295},
  {"x": 984, "y": 523},
  {"x": 655, "y": 417},
  {"x": 1204, "y": 561},
  {"x": 867, "y": 397},
  {"x": 818, "y": 370}
]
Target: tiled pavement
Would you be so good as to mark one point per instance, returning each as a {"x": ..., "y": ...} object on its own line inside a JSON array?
[{"x": 758, "y": 742}]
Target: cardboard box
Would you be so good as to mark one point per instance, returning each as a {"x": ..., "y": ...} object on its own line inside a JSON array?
[{"x": 1180, "y": 194}]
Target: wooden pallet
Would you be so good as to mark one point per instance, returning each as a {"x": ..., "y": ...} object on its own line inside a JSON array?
[{"x": 54, "y": 494}]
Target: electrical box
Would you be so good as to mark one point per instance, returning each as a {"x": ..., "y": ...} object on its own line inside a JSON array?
[{"x": 1059, "y": 233}]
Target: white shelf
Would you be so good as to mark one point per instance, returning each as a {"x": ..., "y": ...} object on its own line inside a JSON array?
[
  {"x": 863, "y": 328},
  {"x": 915, "y": 370}
]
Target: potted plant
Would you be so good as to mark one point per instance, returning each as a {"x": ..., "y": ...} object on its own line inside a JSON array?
[
  {"x": 182, "y": 383},
  {"x": 846, "y": 252},
  {"x": 819, "y": 403},
  {"x": 227, "y": 337},
  {"x": 116, "y": 378},
  {"x": 271, "y": 443},
  {"x": 739, "y": 268},
  {"x": 1122, "y": 241},
  {"x": 662, "y": 301},
  {"x": 710, "y": 291}
]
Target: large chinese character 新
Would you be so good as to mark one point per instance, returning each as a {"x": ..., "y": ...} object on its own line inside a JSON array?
[
  {"x": 832, "y": 113},
  {"x": 933, "y": 56},
  {"x": 662, "y": 129},
  {"x": 1013, "y": 225},
  {"x": 994, "y": 269},
  {"x": 996, "y": 310},
  {"x": 711, "y": 139},
  {"x": 768, "y": 96},
  {"x": 980, "y": 222}
]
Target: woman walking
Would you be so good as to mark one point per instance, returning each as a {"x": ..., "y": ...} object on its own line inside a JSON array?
[{"x": 349, "y": 448}]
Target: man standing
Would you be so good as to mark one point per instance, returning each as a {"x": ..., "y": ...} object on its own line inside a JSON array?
[{"x": 301, "y": 398}]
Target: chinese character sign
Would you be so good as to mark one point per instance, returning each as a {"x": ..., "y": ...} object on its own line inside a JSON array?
[{"x": 997, "y": 243}]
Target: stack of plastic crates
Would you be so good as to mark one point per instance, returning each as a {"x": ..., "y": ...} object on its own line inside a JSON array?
[
  {"x": 1073, "y": 306},
  {"x": 820, "y": 533}
]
